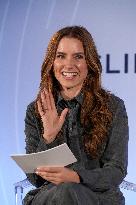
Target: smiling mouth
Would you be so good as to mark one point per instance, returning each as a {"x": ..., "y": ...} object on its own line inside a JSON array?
[{"x": 69, "y": 74}]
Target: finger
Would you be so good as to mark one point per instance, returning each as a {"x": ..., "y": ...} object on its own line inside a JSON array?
[
  {"x": 63, "y": 116},
  {"x": 53, "y": 180},
  {"x": 52, "y": 101},
  {"x": 56, "y": 182},
  {"x": 40, "y": 109},
  {"x": 48, "y": 176},
  {"x": 49, "y": 169},
  {"x": 48, "y": 101},
  {"x": 44, "y": 101}
]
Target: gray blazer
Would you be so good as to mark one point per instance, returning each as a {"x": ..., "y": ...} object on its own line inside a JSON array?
[{"x": 102, "y": 175}]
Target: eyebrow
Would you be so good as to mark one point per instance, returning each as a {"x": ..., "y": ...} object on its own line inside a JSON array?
[{"x": 59, "y": 52}]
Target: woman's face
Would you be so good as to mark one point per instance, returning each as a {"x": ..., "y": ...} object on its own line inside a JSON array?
[{"x": 70, "y": 67}]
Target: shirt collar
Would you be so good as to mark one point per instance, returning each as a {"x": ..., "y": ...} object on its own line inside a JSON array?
[{"x": 78, "y": 98}]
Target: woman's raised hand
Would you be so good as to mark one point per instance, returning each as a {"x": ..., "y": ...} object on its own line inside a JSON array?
[{"x": 52, "y": 122}]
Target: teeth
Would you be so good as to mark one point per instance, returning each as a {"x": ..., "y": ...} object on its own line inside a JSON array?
[{"x": 69, "y": 74}]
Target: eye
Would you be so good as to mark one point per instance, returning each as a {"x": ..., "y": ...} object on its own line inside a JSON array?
[
  {"x": 79, "y": 56},
  {"x": 61, "y": 56}
]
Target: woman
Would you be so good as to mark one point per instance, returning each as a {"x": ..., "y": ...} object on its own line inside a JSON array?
[{"x": 72, "y": 107}]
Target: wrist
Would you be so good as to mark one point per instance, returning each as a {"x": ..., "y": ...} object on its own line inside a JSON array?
[
  {"x": 49, "y": 139},
  {"x": 76, "y": 177}
]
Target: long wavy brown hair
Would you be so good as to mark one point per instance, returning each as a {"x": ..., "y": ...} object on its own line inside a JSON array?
[{"x": 95, "y": 114}]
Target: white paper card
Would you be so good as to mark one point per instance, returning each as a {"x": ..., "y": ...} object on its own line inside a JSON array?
[{"x": 57, "y": 156}]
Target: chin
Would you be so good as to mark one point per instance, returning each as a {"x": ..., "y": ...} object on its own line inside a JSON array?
[
  {"x": 68, "y": 87},
  {"x": 71, "y": 86}
]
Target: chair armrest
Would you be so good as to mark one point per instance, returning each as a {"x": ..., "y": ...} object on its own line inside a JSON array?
[
  {"x": 25, "y": 184},
  {"x": 19, "y": 189},
  {"x": 128, "y": 185}
]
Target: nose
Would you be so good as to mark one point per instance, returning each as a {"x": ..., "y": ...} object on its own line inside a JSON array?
[{"x": 69, "y": 62}]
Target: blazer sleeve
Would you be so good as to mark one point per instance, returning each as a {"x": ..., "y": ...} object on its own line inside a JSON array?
[
  {"x": 34, "y": 141},
  {"x": 115, "y": 157}
]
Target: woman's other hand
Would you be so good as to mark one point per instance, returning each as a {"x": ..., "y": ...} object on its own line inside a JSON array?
[{"x": 58, "y": 175}]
